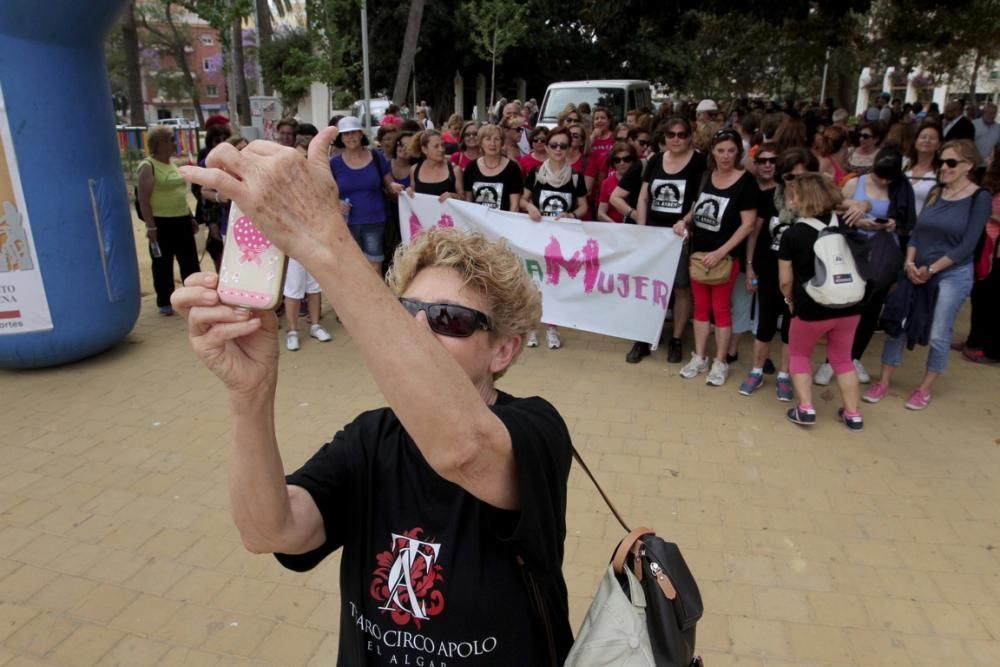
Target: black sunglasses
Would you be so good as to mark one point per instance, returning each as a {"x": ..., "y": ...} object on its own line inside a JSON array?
[
  {"x": 766, "y": 160},
  {"x": 866, "y": 135},
  {"x": 951, "y": 162},
  {"x": 623, "y": 158},
  {"x": 676, "y": 135},
  {"x": 643, "y": 142},
  {"x": 558, "y": 147},
  {"x": 724, "y": 135},
  {"x": 449, "y": 319},
  {"x": 470, "y": 134},
  {"x": 540, "y": 139},
  {"x": 789, "y": 177},
  {"x": 575, "y": 135}
]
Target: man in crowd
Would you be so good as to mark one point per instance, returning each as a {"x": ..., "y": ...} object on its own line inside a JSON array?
[
  {"x": 956, "y": 125},
  {"x": 987, "y": 131}
]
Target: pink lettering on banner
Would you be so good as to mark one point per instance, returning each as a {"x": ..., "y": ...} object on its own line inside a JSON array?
[
  {"x": 625, "y": 285},
  {"x": 416, "y": 228},
  {"x": 446, "y": 221},
  {"x": 590, "y": 263}
]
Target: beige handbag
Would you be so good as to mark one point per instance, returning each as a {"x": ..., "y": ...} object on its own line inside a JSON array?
[{"x": 717, "y": 275}]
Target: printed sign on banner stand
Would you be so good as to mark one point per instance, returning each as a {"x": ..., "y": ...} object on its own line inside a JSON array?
[{"x": 611, "y": 279}]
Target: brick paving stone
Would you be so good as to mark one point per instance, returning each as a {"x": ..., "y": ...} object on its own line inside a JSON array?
[{"x": 810, "y": 547}]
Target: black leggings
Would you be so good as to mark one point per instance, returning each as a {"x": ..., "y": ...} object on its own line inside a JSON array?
[
  {"x": 176, "y": 239},
  {"x": 770, "y": 307},
  {"x": 985, "y": 332},
  {"x": 870, "y": 314}
]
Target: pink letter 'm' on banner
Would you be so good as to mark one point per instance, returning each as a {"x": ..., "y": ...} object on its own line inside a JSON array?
[{"x": 590, "y": 263}]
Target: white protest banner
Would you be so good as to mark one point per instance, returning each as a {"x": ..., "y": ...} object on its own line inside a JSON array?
[{"x": 611, "y": 279}]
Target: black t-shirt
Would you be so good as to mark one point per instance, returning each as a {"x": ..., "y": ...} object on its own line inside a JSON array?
[
  {"x": 717, "y": 213},
  {"x": 428, "y": 572},
  {"x": 494, "y": 191},
  {"x": 797, "y": 247},
  {"x": 765, "y": 253},
  {"x": 553, "y": 201},
  {"x": 670, "y": 195}
]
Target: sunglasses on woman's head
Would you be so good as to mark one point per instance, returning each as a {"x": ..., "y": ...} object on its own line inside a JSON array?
[
  {"x": 621, "y": 158},
  {"x": 951, "y": 162},
  {"x": 677, "y": 135},
  {"x": 449, "y": 319},
  {"x": 766, "y": 160},
  {"x": 558, "y": 147}
]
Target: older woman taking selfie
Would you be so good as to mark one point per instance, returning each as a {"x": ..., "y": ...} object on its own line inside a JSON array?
[{"x": 454, "y": 474}]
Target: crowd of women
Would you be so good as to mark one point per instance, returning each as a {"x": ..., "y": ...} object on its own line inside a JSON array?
[{"x": 734, "y": 185}]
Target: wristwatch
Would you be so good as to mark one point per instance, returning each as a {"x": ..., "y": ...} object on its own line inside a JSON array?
[{"x": 930, "y": 270}]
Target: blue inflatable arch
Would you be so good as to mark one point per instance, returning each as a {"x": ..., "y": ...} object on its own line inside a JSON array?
[{"x": 69, "y": 279}]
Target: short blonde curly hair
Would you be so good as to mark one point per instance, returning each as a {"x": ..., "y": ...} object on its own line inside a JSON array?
[{"x": 490, "y": 267}]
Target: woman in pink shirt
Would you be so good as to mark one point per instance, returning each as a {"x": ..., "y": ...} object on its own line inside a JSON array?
[
  {"x": 620, "y": 159},
  {"x": 538, "y": 139}
]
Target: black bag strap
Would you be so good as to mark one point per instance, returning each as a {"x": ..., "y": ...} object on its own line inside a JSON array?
[{"x": 607, "y": 500}]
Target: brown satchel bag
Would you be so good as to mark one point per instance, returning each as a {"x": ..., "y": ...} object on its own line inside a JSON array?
[{"x": 717, "y": 275}]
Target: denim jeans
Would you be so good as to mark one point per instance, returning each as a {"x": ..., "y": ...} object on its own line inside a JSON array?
[{"x": 954, "y": 287}]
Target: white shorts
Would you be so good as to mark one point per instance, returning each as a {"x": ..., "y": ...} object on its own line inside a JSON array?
[
  {"x": 298, "y": 281},
  {"x": 742, "y": 304}
]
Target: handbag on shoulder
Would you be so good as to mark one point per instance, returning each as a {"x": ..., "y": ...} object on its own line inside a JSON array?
[
  {"x": 646, "y": 607},
  {"x": 717, "y": 275}
]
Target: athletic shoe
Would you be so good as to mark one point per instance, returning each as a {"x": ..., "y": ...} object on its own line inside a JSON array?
[
  {"x": 875, "y": 393},
  {"x": 319, "y": 333},
  {"x": 769, "y": 368},
  {"x": 753, "y": 382},
  {"x": 717, "y": 376},
  {"x": 977, "y": 356},
  {"x": 292, "y": 341},
  {"x": 855, "y": 423},
  {"x": 532, "y": 340},
  {"x": 674, "y": 351},
  {"x": 918, "y": 400},
  {"x": 694, "y": 367},
  {"x": 166, "y": 311},
  {"x": 732, "y": 358},
  {"x": 802, "y": 417},
  {"x": 638, "y": 351},
  {"x": 863, "y": 376},
  {"x": 823, "y": 375},
  {"x": 552, "y": 339},
  {"x": 784, "y": 389}
]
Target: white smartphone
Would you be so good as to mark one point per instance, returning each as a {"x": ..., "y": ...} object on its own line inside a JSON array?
[{"x": 253, "y": 270}]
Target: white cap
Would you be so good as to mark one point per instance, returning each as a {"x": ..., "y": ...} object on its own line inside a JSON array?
[
  {"x": 706, "y": 105},
  {"x": 348, "y": 124}
]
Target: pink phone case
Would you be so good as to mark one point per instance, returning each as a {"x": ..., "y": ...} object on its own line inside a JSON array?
[{"x": 253, "y": 270}]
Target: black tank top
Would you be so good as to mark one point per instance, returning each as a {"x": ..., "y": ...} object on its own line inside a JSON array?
[{"x": 436, "y": 189}]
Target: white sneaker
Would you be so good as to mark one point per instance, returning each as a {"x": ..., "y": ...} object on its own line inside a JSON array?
[
  {"x": 292, "y": 341},
  {"x": 823, "y": 375},
  {"x": 532, "y": 340},
  {"x": 552, "y": 339},
  {"x": 863, "y": 376},
  {"x": 717, "y": 376},
  {"x": 319, "y": 333},
  {"x": 694, "y": 367}
]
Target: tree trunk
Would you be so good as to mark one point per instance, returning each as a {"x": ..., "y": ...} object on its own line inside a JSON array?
[
  {"x": 975, "y": 75},
  {"x": 493, "y": 70},
  {"x": 130, "y": 37},
  {"x": 409, "y": 52},
  {"x": 242, "y": 94},
  {"x": 189, "y": 79},
  {"x": 264, "y": 33}
]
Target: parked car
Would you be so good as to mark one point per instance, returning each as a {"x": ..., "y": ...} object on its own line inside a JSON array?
[
  {"x": 180, "y": 123},
  {"x": 619, "y": 95},
  {"x": 377, "y": 105}
]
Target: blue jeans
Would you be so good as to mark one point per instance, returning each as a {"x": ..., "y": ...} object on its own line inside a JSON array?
[
  {"x": 954, "y": 287},
  {"x": 369, "y": 237}
]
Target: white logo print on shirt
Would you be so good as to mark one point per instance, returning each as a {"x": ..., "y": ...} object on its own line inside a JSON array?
[
  {"x": 667, "y": 196},
  {"x": 554, "y": 203},
  {"x": 709, "y": 210},
  {"x": 488, "y": 194}
]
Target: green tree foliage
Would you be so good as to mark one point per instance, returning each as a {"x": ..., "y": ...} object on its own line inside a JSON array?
[
  {"x": 290, "y": 66},
  {"x": 495, "y": 26}
]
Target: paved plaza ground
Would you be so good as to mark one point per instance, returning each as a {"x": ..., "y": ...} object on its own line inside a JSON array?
[{"x": 819, "y": 547}]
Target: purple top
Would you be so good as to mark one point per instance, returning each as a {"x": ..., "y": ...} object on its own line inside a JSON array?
[{"x": 363, "y": 187}]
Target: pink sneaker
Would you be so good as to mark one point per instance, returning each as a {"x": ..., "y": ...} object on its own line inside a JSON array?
[
  {"x": 875, "y": 393},
  {"x": 918, "y": 400}
]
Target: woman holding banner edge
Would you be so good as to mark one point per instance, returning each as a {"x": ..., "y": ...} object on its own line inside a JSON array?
[{"x": 554, "y": 191}]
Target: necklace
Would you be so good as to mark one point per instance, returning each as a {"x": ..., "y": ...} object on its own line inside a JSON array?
[
  {"x": 954, "y": 194},
  {"x": 492, "y": 166}
]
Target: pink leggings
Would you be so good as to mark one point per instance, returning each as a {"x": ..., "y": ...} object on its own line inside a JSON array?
[
  {"x": 715, "y": 300},
  {"x": 803, "y": 336}
]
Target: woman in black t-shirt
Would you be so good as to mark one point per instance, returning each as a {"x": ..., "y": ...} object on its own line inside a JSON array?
[
  {"x": 773, "y": 218},
  {"x": 555, "y": 192},
  {"x": 815, "y": 196},
  {"x": 722, "y": 218},
  {"x": 666, "y": 189},
  {"x": 493, "y": 180}
]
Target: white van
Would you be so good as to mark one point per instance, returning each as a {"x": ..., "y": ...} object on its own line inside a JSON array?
[
  {"x": 378, "y": 106},
  {"x": 619, "y": 95}
]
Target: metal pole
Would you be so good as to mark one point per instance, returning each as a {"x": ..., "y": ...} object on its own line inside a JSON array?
[
  {"x": 364, "y": 61},
  {"x": 256, "y": 32},
  {"x": 826, "y": 67}
]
